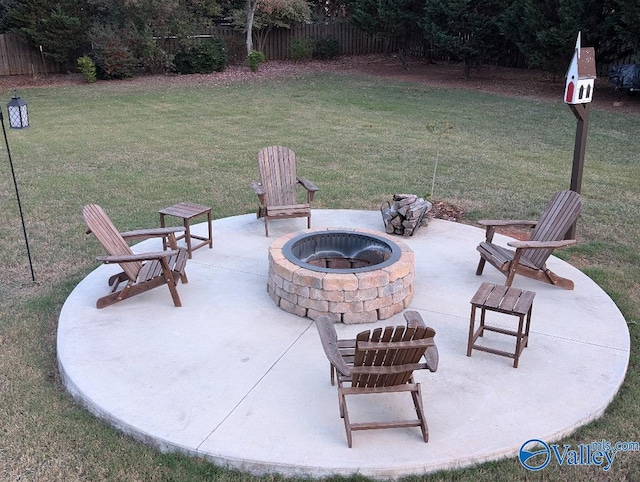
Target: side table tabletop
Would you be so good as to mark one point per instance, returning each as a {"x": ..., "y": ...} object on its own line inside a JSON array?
[
  {"x": 187, "y": 211},
  {"x": 501, "y": 299}
]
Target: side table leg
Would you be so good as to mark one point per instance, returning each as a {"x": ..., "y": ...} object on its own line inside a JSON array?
[
  {"x": 164, "y": 240},
  {"x": 471, "y": 330},
  {"x": 483, "y": 311},
  {"x": 210, "y": 230},
  {"x": 526, "y": 330},
  {"x": 519, "y": 338},
  {"x": 187, "y": 235}
]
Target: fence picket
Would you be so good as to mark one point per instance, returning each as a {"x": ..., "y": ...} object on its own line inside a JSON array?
[{"x": 18, "y": 58}]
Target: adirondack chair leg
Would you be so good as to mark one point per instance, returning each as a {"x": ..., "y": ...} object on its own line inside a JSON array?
[
  {"x": 345, "y": 416},
  {"x": 513, "y": 267},
  {"x": 417, "y": 402},
  {"x": 174, "y": 293},
  {"x": 179, "y": 266},
  {"x": 116, "y": 279},
  {"x": 559, "y": 281},
  {"x": 266, "y": 227},
  {"x": 342, "y": 402},
  {"x": 480, "y": 266},
  {"x": 107, "y": 300},
  {"x": 488, "y": 238},
  {"x": 309, "y": 222},
  {"x": 171, "y": 283},
  {"x": 114, "y": 296}
]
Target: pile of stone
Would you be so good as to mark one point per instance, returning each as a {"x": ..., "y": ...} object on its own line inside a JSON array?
[{"x": 405, "y": 214}]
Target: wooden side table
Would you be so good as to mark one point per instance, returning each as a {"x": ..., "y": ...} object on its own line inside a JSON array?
[
  {"x": 187, "y": 211},
  {"x": 501, "y": 299}
]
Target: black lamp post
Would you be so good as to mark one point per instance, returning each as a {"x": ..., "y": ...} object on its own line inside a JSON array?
[{"x": 18, "y": 119}]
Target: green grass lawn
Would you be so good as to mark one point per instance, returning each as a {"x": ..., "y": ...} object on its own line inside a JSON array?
[{"x": 136, "y": 148}]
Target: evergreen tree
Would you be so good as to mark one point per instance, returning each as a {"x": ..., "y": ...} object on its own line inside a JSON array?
[
  {"x": 627, "y": 27},
  {"x": 467, "y": 30},
  {"x": 395, "y": 20},
  {"x": 58, "y": 28},
  {"x": 545, "y": 31}
]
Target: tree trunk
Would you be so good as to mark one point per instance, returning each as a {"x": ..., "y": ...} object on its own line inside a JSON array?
[
  {"x": 251, "y": 10},
  {"x": 403, "y": 53}
]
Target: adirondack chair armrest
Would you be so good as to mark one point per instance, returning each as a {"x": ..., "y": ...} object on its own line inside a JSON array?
[
  {"x": 506, "y": 222},
  {"x": 151, "y": 233},
  {"x": 541, "y": 244},
  {"x": 492, "y": 224},
  {"x": 137, "y": 257},
  {"x": 329, "y": 340},
  {"x": 431, "y": 355},
  {"x": 259, "y": 190},
  {"x": 309, "y": 186}
]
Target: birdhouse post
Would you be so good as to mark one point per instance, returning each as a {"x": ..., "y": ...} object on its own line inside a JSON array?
[{"x": 578, "y": 93}]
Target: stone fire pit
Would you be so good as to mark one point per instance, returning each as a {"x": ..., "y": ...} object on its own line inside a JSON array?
[{"x": 351, "y": 275}]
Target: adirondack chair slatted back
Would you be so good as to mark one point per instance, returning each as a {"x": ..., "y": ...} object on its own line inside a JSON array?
[
  {"x": 278, "y": 173},
  {"x": 559, "y": 215},
  {"x": 103, "y": 229},
  {"x": 388, "y": 355}
]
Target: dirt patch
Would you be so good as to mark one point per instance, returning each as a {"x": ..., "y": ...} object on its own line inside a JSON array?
[
  {"x": 443, "y": 210},
  {"x": 522, "y": 83}
]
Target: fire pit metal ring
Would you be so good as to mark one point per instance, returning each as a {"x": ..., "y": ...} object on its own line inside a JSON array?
[{"x": 338, "y": 251}]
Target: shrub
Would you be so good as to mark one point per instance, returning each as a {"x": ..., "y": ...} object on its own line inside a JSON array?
[
  {"x": 236, "y": 49},
  {"x": 87, "y": 68},
  {"x": 112, "y": 53},
  {"x": 326, "y": 48},
  {"x": 254, "y": 59},
  {"x": 153, "y": 58},
  {"x": 201, "y": 57},
  {"x": 301, "y": 49}
]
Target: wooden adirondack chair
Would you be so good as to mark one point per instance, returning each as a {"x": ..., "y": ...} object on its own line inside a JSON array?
[
  {"x": 276, "y": 192},
  {"x": 529, "y": 257},
  {"x": 379, "y": 361},
  {"x": 140, "y": 272}
]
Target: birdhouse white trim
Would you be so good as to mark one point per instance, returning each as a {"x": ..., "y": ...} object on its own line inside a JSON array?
[{"x": 581, "y": 75}]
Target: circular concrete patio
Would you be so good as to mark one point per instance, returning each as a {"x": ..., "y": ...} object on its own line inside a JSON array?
[{"x": 232, "y": 378}]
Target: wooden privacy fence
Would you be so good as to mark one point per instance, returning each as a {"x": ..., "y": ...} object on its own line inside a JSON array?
[
  {"x": 18, "y": 58},
  {"x": 351, "y": 40}
]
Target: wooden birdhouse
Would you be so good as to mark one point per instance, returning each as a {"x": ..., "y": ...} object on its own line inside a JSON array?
[{"x": 581, "y": 75}]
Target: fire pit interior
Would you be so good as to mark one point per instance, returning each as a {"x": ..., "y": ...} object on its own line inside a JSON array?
[
  {"x": 354, "y": 276},
  {"x": 341, "y": 251}
]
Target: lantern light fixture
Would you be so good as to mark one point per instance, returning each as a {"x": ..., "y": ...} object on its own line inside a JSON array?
[{"x": 18, "y": 113}]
